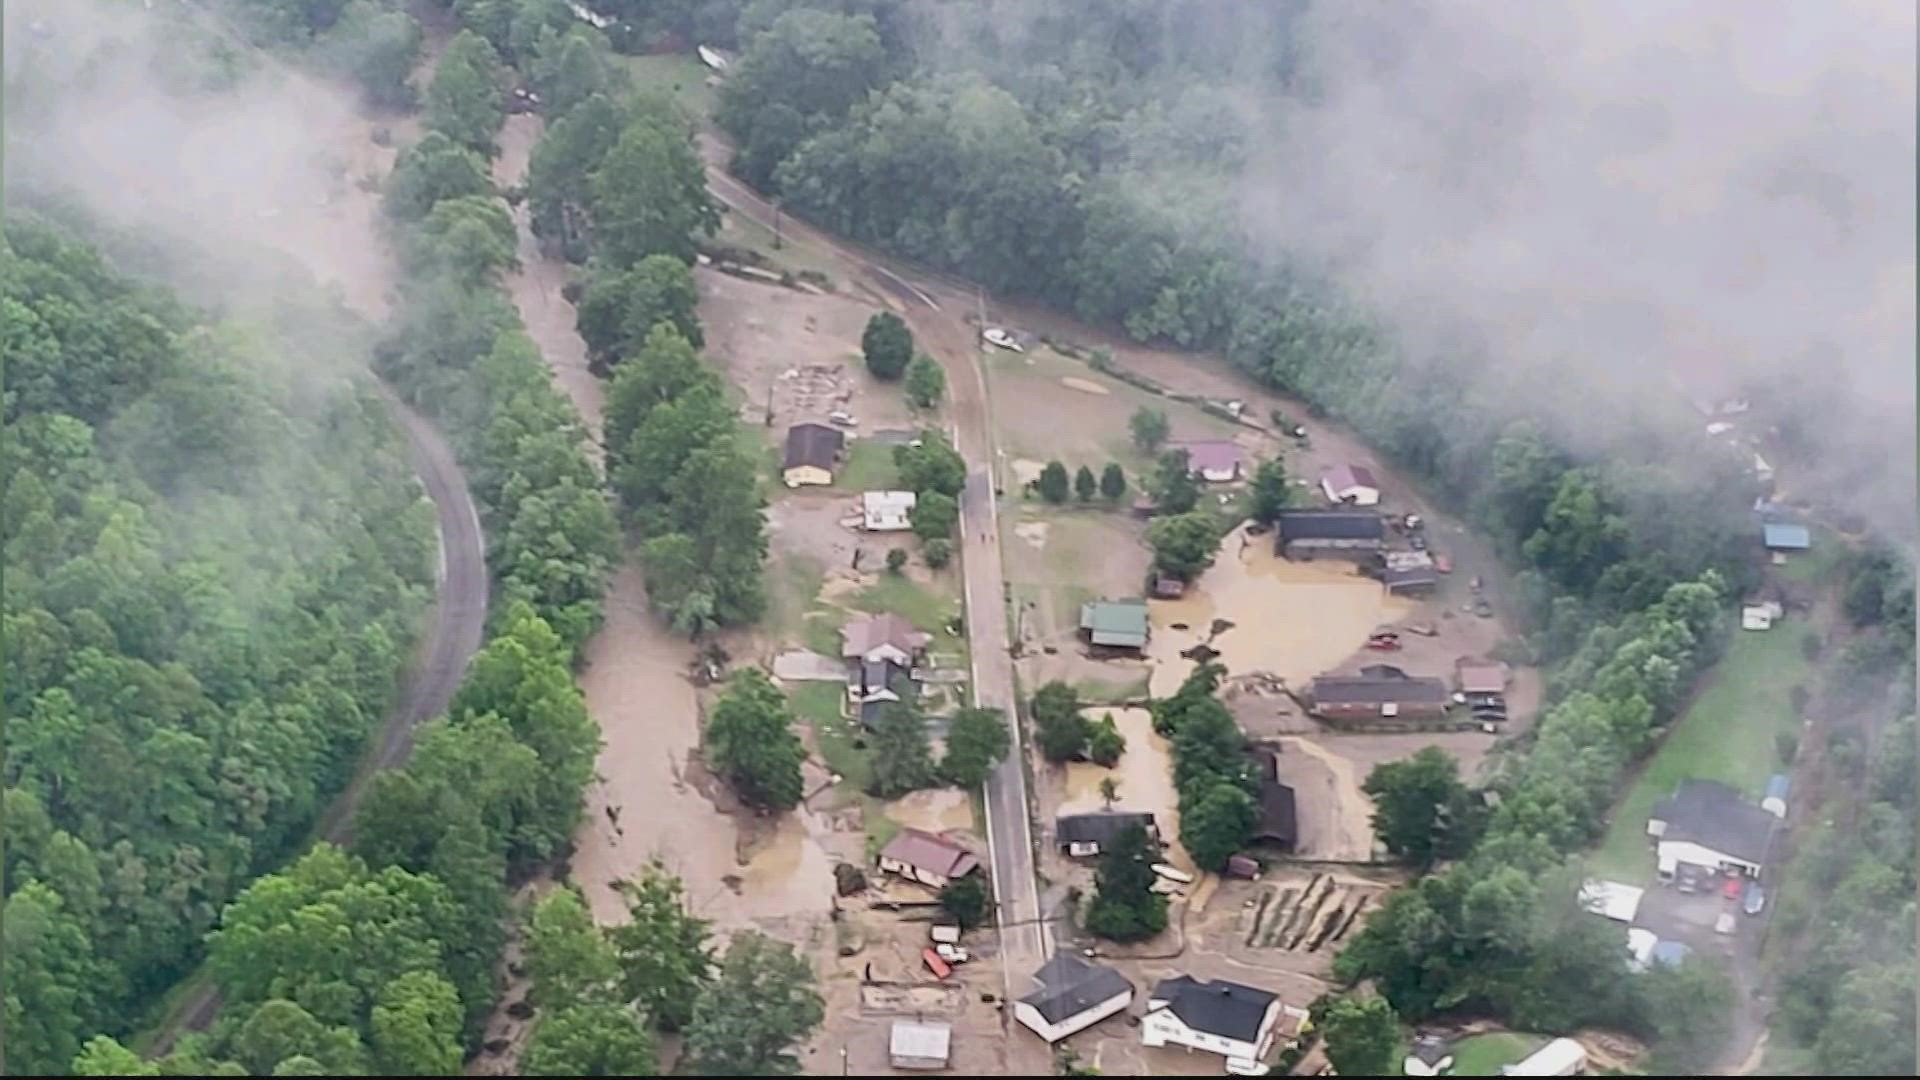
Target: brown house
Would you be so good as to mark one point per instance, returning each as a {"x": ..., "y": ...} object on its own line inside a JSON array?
[{"x": 1381, "y": 694}]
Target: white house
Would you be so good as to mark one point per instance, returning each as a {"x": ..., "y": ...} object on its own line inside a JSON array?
[
  {"x": 886, "y": 511},
  {"x": 1708, "y": 824},
  {"x": 1561, "y": 1057},
  {"x": 1071, "y": 994},
  {"x": 1351, "y": 484},
  {"x": 1640, "y": 945},
  {"x": 1611, "y": 899},
  {"x": 928, "y": 859},
  {"x": 1219, "y": 1017},
  {"x": 919, "y": 1045}
]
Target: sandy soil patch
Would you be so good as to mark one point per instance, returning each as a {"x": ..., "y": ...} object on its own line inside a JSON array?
[
  {"x": 1294, "y": 619},
  {"x": 1033, "y": 532},
  {"x": 1335, "y": 816},
  {"x": 935, "y": 810},
  {"x": 760, "y": 333},
  {"x": 1026, "y": 470},
  {"x": 1085, "y": 386},
  {"x": 1052, "y": 406}
]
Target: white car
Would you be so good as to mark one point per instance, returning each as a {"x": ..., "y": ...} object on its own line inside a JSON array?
[
  {"x": 843, "y": 418},
  {"x": 999, "y": 337}
]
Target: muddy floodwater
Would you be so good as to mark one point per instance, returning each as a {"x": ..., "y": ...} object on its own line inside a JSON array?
[
  {"x": 1294, "y": 619},
  {"x": 934, "y": 810},
  {"x": 1144, "y": 775}
]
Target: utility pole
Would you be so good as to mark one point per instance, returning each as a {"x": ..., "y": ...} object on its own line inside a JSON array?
[
  {"x": 980, "y": 299},
  {"x": 776, "y": 224}
]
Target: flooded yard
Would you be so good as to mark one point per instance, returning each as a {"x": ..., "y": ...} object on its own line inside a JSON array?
[
  {"x": 1293, "y": 619},
  {"x": 1144, "y": 775}
]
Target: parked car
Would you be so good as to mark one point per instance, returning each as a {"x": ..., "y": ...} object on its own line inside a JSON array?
[
  {"x": 1689, "y": 878},
  {"x": 1732, "y": 888},
  {"x": 1724, "y": 924},
  {"x": 843, "y": 418},
  {"x": 1756, "y": 901},
  {"x": 999, "y": 337}
]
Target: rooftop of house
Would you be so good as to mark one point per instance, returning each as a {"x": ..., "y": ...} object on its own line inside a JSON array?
[
  {"x": 1223, "y": 1008},
  {"x": 1344, "y": 477},
  {"x": 1378, "y": 689},
  {"x": 1100, "y": 828},
  {"x": 1210, "y": 455},
  {"x": 1067, "y": 985},
  {"x": 813, "y": 444},
  {"x": 1407, "y": 577},
  {"x": 887, "y": 502},
  {"x": 1717, "y": 817},
  {"x": 1115, "y": 622},
  {"x": 1279, "y": 816},
  {"x": 934, "y": 854},
  {"x": 1330, "y": 525},
  {"x": 1481, "y": 676},
  {"x": 920, "y": 1039},
  {"x": 863, "y": 635},
  {"x": 1782, "y": 536}
]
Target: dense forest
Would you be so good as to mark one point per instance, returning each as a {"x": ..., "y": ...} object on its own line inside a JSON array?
[{"x": 217, "y": 556}]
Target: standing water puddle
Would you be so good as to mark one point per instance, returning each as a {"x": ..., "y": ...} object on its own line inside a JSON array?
[
  {"x": 1294, "y": 619},
  {"x": 1144, "y": 775}
]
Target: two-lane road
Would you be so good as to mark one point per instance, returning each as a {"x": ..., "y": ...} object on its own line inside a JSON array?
[{"x": 935, "y": 311}]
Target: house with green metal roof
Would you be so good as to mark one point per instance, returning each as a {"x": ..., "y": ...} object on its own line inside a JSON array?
[
  {"x": 1115, "y": 624},
  {"x": 1782, "y": 536}
]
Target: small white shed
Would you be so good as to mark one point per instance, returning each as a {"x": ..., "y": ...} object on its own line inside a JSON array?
[
  {"x": 1561, "y": 1057},
  {"x": 919, "y": 1044}
]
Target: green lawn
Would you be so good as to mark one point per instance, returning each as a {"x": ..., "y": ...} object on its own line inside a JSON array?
[
  {"x": 1817, "y": 561},
  {"x": 1103, "y": 692},
  {"x": 869, "y": 467},
  {"x": 792, "y": 590},
  {"x": 680, "y": 76},
  {"x": 922, "y": 606},
  {"x": 1484, "y": 1054},
  {"x": 1728, "y": 735},
  {"x": 819, "y": 704}
]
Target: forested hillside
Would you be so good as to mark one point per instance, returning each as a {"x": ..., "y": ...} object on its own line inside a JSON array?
[{"x": 217, "y": 556}]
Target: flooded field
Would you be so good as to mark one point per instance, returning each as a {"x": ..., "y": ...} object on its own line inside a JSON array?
[
  {"x": 936, "y": 810},
  {"x": 1144, "y": 775},
  {"x": 1294, "y": 619}
]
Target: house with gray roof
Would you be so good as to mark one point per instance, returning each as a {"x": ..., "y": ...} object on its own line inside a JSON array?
[
  {"x": 1227, "y": 1018},
  {"x": 1071, "y": 994},
  {"x": 1707, "y": 824}
]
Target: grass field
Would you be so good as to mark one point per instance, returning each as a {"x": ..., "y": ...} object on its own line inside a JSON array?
[
  {"x": 680, "y": 76},
  {"x": 1483, "y": 1054},
  {"x": 869, "y": 467},
  {"x": 1728, "y": 735},
  {"x": 1816, "y": 562},
  {"x": 819, "y": 704},
  {"x": 926, "y": 609}
]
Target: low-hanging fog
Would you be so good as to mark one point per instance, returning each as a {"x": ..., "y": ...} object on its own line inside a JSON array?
[
  {"x": 1620, "y": 196},
  {"x": 110, "y": 105}
]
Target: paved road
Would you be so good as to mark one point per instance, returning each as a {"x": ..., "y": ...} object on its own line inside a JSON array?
[
  {"x": 935, "y": 307},
  {"x": 459, "y": 624}
]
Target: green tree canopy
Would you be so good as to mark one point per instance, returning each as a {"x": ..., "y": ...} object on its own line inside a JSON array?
[
  {"x": 1175, "y": 488},
  {"x": 1125, "y": 907},
  {"x": 926, "y": 382},
  {"x": 901, "y": 760},
  {"x": 932, "y": 466},
  {"x": 1084, "y": 485},
  {"x": 1268, "y": 493},
  {"x": 568, "y": 959},
  {"x": 591, "y": 1039},
  {"x": 747, "y": 1020},
  {"x": 1361, "y": 1035},
  {"x": 967, "y": 900},
  {"x": 431, "y": 170},
  {"x": 1149, "y": 428},
  {"x": 977, "y": 739},
  {"x": 1053, "y": 483},
  {"x": 664, "y": 955},
  {"x": 1184, "y": 545},
  {"x": 750, "y": 737},
  {"x": 1113, "y": 482},
  {"x": 467, "y": 99},
  {"x": 1058, "y": 727},
  {"x": 1421, "y": 810},
  {"x": 887, "y": 345}
]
